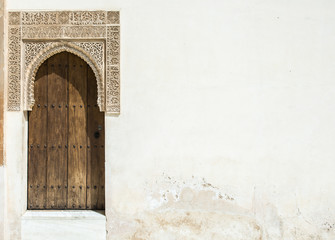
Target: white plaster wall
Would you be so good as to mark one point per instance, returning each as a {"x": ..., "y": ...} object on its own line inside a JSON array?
[
  {"x": 228, "y": 112},
  {"x": 2, "y": 203},
  {"x": 16, "y": 172}
]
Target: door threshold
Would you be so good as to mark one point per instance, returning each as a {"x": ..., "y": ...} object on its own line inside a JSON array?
[
  {"x": 64, "y": 214},
  {"x": 63, "y": 224}
]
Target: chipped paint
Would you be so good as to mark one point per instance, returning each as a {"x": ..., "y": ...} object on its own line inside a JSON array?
[{"x": 169, "y": 188}]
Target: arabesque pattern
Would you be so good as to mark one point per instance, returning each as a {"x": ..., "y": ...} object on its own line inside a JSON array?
[
  {"x": 14, "y": 68},
  {"x": 88, "y": 34}
]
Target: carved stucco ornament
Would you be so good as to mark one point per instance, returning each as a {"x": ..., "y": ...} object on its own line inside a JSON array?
[
  {"x": 50, "y": 50},
  {"x": 36, "y": 36}
]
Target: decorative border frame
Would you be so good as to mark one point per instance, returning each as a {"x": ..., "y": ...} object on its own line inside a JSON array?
[{"x": 34, "y": 36}]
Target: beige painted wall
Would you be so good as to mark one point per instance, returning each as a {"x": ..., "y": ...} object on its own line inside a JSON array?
[{"x": 227, "y": 122}]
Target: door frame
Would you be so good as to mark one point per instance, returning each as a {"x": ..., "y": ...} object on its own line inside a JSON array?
[
  {"x": 78, "y": 86},
  {"x": 76, "y": 36}
]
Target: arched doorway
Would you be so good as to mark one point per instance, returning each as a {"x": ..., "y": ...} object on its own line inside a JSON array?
[{"x": 66, "y": 137}]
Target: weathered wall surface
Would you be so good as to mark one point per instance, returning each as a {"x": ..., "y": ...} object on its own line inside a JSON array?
[{"x": 227, "y": 119}]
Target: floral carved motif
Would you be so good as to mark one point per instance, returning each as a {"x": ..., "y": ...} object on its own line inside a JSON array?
[
  {"x": 31, "y": 49},
  {"x": 94, "y": 49},
  {"x": 87, "y": 34},
  {"x": 37, "y": 52}
]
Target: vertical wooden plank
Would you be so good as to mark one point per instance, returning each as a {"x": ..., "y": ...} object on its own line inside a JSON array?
[
  {"x": 96, "y": 151},
  {"x": 66, "y": 138},
  {"x": 77, "y": 153},
  {"x": 57, "y": 131},
  {"x": 37, "y": 153}
]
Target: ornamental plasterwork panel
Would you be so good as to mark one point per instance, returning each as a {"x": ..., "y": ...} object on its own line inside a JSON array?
[
  {"x": 62, "y": 32},
  {"x": 35, "y": 36},
  {"x": 37, "y": 52}
]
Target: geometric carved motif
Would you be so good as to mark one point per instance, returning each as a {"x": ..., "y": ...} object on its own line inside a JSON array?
[
  {"x": 92, "y": 35},
  {"x": 14, "y": 68}
]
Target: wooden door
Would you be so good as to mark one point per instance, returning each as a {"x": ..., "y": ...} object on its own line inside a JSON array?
[{"x": 66, "y": 138}]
